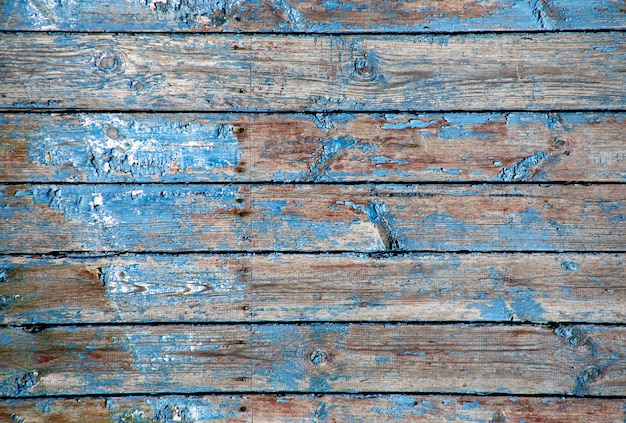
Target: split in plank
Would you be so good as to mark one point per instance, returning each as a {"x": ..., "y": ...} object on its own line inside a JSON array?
[
  {"x": 316, "y": 358},
  {"x": 311, "y": 408},
  {"x": 360, "y": 218},
  {"x": 307, "y": 288},
  {"x": 549, "y": 71},
  {"x": 312, "y": 16},
  {"x": 342, "y": 147}
]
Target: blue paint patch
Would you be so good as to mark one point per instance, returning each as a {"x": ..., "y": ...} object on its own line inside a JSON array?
[
  {"x": 528, "y": 231},
  {"x": 321, "y": 412},
  {"x": 494, "y": 310},
  {"x": 284, "y": 373},
  {"x": 441, "y": 222},
  {"x": 526, "y": 307},
  {"x": 470, "y": 405},
  {"x": 608, "y": 210},
  {"x": 569, "y": 265},
  {"x": 378, "y": 160},
  {"x": 319, "y": 384}
]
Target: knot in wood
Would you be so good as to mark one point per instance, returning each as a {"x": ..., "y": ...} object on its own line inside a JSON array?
[
  {"x": 319, "y": 357},
  {"x": 109, "y": 62}
]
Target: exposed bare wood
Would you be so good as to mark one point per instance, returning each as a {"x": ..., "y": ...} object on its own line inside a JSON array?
[
  {"x": 580, "y": 360},
  {"x": 348, "y": 287},
  {"x": 309, "y": 408},
  {"x": 321, "y": 147},
  {"x": 317, "y": 73}
]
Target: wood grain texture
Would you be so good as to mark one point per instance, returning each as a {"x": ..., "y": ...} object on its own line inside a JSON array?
[
  {"x": 344, "y": 147},
  {"x": 313, "y": 73},
  {"x": 309, "y": 408},
  {"x": 187, "y": 218},
  {"x": 308, "y": 288},
  {"x": 313, "y": 358},
  {"x": 312, "y": 15}
]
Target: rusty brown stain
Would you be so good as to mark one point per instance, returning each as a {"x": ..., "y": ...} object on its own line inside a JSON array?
[
  {"x": 412, "y": 13},
  {"x": 496, "y": 128}
]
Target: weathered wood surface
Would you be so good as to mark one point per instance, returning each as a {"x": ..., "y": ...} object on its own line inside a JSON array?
[
  {"x": 187, "y": 218},
  {"x": 312, "y": 15},
  {"x": 309, "y": 408},
  {"x": 308, "y": 288},
  {"x": 553, "y": 71},
  {"x": 348, "y": 358},
  {"x": 344, "y": 147}
]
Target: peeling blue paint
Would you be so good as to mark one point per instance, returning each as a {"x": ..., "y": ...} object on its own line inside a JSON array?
[
  {"x": 523, "y": 170},
  {"x": 328, "y": 121},
  {"x": 113, "y": 147},
  {"x": 411, "y": 124},
  {"x": 331, "y": 148}
]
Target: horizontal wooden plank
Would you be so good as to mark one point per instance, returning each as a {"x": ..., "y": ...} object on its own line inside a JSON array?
[
  {"x": 177, "y": 218},
  {"x": 315, "y": 73},
  {"x": 344, "y": 147},
  {"x": 312, "y": 16},
  {"x": 289, "y": 288},
  {"x": 579, "y": 360},
  {"x": 310, "y": 408}
]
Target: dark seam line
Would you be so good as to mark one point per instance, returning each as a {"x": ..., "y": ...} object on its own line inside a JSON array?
[
  {"x": 90, "y": 255},
  {"x": 328, "y": 34},
  {"x": 39, "y": 327},
  {"x": 373, "y": 254},
  {"x": 363, "y": 394},
  {"x": 252, "y": 111},
  {"x": 362, "y": 183}
]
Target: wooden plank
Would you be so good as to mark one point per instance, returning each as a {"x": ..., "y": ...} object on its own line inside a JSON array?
[
  {"x": 579, "y": 360},
  {"x": 312, "y": 16},
  {"x": 344, "y": 147},
  {"x": 310, "y": 408},
  {"x": 177, "y": 218},
  {"x": 316, "y": 73},
  {"x": 338, "y": 287}
]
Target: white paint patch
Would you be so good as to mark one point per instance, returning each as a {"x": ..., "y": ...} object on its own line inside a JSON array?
[
  {"x": 136, "y": 193},
  {"x": 97, "y": 200}
]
